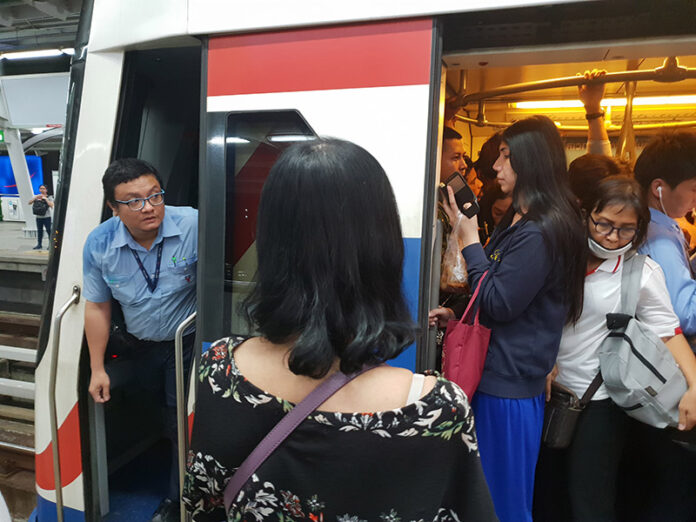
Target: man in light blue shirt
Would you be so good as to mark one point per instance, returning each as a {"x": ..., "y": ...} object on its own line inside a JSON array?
[
  {"x": 145, "y": 258},
  {"x": 666, "y": 169}
]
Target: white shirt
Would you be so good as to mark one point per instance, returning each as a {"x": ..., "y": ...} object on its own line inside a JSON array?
[{"x": 578, "y": 359}]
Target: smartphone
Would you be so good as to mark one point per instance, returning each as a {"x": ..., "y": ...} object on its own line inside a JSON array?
[{"x": 462, "y": 194}]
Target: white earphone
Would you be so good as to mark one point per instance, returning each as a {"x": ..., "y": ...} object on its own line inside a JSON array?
[{"x": 659, "y": 190}]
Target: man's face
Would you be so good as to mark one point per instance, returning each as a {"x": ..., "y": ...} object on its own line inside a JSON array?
[
  {"x": 143, "y": 221},
  {"x": 474, "y": 182},
  {"x": 679, "y": 200},
  {"x": 452, "y": 159}
]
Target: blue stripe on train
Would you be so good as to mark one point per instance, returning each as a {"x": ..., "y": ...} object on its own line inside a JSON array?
[
  {"x": 412, "y": 248},
  {"x": 46, "y": 512}
]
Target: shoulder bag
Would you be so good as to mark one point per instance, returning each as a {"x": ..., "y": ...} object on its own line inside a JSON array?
[
  {"x": 562, "y": 412},
  {"x": 465, "y": 347}
]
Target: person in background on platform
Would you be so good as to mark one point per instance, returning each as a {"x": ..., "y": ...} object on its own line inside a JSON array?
[
  {"x": 329, "y": 298},
  {"x": 536, "y": 265},
  {"x": 144, "y": 257},
  {"x": 43, "y": 220}
]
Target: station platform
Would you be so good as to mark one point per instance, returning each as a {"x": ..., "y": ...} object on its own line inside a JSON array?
[
  {"x": 22, "y": 270},
  {"x": 16, "y": 251}
]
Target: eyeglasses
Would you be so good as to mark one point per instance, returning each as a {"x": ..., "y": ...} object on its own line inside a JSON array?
[
  {"x": 625, "y": 233},
  {"x": 137, "y": 204}
]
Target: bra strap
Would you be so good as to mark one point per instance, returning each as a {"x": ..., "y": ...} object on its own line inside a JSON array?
[{"x": 416, "y": 388}]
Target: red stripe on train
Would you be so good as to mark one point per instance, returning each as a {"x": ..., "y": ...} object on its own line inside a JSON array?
[
  {"x": 339, "y": 57},
  {"x": 69, "y": 454}
]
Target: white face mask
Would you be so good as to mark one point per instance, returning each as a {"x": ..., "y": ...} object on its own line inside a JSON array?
[{"x": 604, "y": 253}]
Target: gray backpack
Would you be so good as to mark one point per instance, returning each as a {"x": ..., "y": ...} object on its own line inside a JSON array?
[{"x": 640, "y": 373}]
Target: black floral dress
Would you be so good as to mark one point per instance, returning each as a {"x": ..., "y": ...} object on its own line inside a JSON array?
[{"x": 416, "y": 463}]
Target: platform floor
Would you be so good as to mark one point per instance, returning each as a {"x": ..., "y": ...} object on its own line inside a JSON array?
[{"x": 13, "y": 244}]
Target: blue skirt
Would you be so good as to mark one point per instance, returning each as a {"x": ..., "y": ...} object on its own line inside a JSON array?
[{"x": 509, "y": 436}]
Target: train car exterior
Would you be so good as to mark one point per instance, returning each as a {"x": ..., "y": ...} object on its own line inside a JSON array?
[{"x": 369, "y": 72}]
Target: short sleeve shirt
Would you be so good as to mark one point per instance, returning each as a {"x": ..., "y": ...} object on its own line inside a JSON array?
[
  {"x": 110, "y": 270},
  {"x": 578, "y": 359}
]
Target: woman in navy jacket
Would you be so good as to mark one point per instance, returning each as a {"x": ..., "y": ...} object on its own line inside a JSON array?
[{"x": 535, "y": 261}]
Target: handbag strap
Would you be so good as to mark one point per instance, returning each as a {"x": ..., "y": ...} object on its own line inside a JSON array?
[
  {"x": 283, "y": 429},
  {"x": 472, "y": 301},
  {"x": 630, "y": 283},
  {"x": 592, "y": 389}
]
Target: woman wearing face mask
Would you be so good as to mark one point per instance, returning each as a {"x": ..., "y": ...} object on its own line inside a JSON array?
[
  {"x": 617, "y": 219},
  {"x": 535, "y": 261}
]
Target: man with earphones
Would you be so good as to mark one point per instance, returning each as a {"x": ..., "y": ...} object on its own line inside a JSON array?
[{"x": 666, "y": 169}]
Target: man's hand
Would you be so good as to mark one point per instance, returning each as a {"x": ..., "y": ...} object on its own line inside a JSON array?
[
  {"x": 440, "y": 316},
  {"x": 100, "y": 386},
  {"x": 591, "y": 95}
]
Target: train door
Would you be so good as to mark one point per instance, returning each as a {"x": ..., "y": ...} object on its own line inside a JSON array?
[
  {"x": 375, "y": 84},
  {"x": 158, "y": 122},
  {"x": 113, "y": 459}
]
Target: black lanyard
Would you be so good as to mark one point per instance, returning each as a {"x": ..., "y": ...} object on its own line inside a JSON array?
[{"x": 150, "y": 283}]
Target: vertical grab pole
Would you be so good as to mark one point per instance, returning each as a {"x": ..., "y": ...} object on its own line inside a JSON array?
[
  {"x": 181, "y": 432},
  {"x": 431, "y": 354},
  {"x": 74, "y": 298}
]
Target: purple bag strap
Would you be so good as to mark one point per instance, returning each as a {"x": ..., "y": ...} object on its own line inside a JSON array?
[
  {"x": 472, "y": 301},
  {"x": 284, "y": 428}
]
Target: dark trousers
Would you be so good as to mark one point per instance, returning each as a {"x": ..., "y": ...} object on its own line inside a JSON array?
[
  {"x": 41, "y": 223},
  {"x": 156, "y": 372},
  {"x": 660, "y": 480},
  {"x": 579, "y": 483}
]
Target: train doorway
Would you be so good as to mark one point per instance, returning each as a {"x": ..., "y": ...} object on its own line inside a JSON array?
[{"x": 158, "y": 121}]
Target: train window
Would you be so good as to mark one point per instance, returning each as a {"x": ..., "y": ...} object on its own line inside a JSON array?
[{"x": 253, "y": 142}]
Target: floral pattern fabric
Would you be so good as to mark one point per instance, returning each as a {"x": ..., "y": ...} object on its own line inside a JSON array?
[{"x": 417, "y": 463}]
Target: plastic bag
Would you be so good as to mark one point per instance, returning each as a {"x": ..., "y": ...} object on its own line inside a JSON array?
[{"x": 453, "y": 273}]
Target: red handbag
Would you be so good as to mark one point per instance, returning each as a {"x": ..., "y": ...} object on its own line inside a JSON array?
[{"x": 465, "y": 346}]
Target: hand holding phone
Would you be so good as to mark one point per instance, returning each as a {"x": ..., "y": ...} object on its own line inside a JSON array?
[{"x": 462, "y": 194}]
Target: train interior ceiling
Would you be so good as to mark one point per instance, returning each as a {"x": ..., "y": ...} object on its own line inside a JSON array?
[{"x": 655, "y": 103}]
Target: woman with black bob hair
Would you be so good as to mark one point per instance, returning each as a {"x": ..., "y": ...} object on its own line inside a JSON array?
[
  {"x": 535, "y": 263},
  {"x": 340, "y": 294},
  {"x": 328, "y": 298}
]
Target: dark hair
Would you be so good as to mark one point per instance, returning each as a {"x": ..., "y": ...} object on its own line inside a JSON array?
[
  {"x": 123, "y": 171},
  {"x": 448, "y": 133},
  {"x": 330, "y": 254},
  {"x": 490, "y": 150},
  {"x": 586, "y": 172},
  {"x": 621, "y": 190},
  {"x": 670, "y": 156},
  {"x": 492, "y": 194},
  {"x": 538, "y": 158}
]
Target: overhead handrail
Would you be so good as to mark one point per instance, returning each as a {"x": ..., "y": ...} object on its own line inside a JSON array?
[
  {"x": 74, "y": 299},
  {"x": 583, "y": 128},
  {"x": 181, "y": 431},
  {"x": 669, "y": 72}
]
